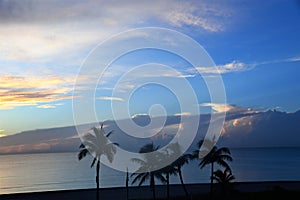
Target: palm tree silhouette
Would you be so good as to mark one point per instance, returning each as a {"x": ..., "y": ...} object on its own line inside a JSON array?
[
  {"x": 169, "y": 170},
  {"x": 213, "y": 155},
  {"x": 97, "y": 144},
  {"x": 148, "y": 167},
  {"x": 179, "y": 162},
  {"x": 224, "y": 178}
]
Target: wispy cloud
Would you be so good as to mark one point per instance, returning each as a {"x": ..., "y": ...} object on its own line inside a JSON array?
[
  {"x": 111, "y": 98},
  {"x": 237, "y": 66},
  {"x": 293, "y": 59},
  {"x": 21, "y": 91},
  {"x": 234, "y": 66},
  {"x": 47, "y": 106}
]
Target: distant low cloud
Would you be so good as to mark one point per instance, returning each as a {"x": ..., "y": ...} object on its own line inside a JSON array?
[
  {"x": 140, "y": 115},
  {"x": 226, "y": 108},
  {"x": 183, "y": 114},
  {"x": 1, "y": 133},
  {"x": 218, "y": 107}
]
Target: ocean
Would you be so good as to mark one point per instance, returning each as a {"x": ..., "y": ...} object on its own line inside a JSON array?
[{"x": 61, "y": 171}]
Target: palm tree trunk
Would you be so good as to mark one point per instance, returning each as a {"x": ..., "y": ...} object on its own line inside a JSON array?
[
  {"x": 182, "y": 183},
  {"x": 127, "y": 181},
  {"x": 168, "y": 185},
  {"x": 98, "y": 178},
  {"x": 152, "y": 185},
  {"x": 211, "y": 180}
]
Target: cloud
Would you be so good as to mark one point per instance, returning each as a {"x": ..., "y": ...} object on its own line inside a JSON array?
[
  {"x": 47, "y": 106},
  {"x": 180, "y": 19},
  {"x": 111, "y": 98},
  {"x": 237, "y": 66},
  {"x": 291, "y": 59},
  {"x": 1, "y": 133},
  {"x": 183, "y": 114},
  {"x": 294, "y": 59},
  {"x": 29, "y": 91},
  {"x": 28, "y": 32},
  {"x": 227, "y": 108},
  {"x": 218, "y": 107},
  {"x": 140, "y": 115},
  {"x": 234, "y": 66}
]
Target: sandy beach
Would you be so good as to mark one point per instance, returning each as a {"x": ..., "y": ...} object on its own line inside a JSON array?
[{"x": 144, "y": 192}]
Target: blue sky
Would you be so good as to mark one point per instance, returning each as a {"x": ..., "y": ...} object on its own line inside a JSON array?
[{"x": 254, "y": 44}]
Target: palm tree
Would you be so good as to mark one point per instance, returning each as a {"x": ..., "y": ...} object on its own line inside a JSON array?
[
  {"x": 127, "y": 181},
  {"x": 97, "y": 144},
  {"x": 167, "y": 171},
  {"x": 213, "y": 155},
  {"x": 179, "y": 162},
  {"x": 224, "y": 178},
  {"x": 148, "y": 167}
]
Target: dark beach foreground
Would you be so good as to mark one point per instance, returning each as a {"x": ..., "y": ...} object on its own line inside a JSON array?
[{"x": 242, "y": 190}]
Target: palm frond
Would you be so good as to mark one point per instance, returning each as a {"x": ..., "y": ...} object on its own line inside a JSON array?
[
  {"x": 101, "y": 140},
  {"x": 109, "y": 156},
  {"x": 147, "y": 148},
  {"x": 137, "y": 160},
  {"x": 82, "y": 153},
  {"x": 226, "y": 157},
  {"x": 231, "y": 178},
  {"x": 108, "y": 134},
  {"x": 142, "y": 177},
  {"x": 199, "y": 143},
  {"x": 222, "y": 163},
  {"x": 116, "y": 144},
  {"x": 224, "y": 150},
  {"x": 90, "y": 145},
  {"x": 89, "y": 138},
  {"x": 160, "y": 177},
  {"x": 205, "y": 161},
  {"x": 93, "y": 163}
]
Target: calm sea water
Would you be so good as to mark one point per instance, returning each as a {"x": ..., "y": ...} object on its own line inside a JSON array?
[{"x": 59, "y": 171}]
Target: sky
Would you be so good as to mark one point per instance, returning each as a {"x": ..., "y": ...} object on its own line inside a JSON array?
[{"x": 44, "y": 44}]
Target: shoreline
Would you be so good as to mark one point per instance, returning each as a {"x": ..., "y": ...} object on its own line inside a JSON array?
[{"x": 144, "y": 192}]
